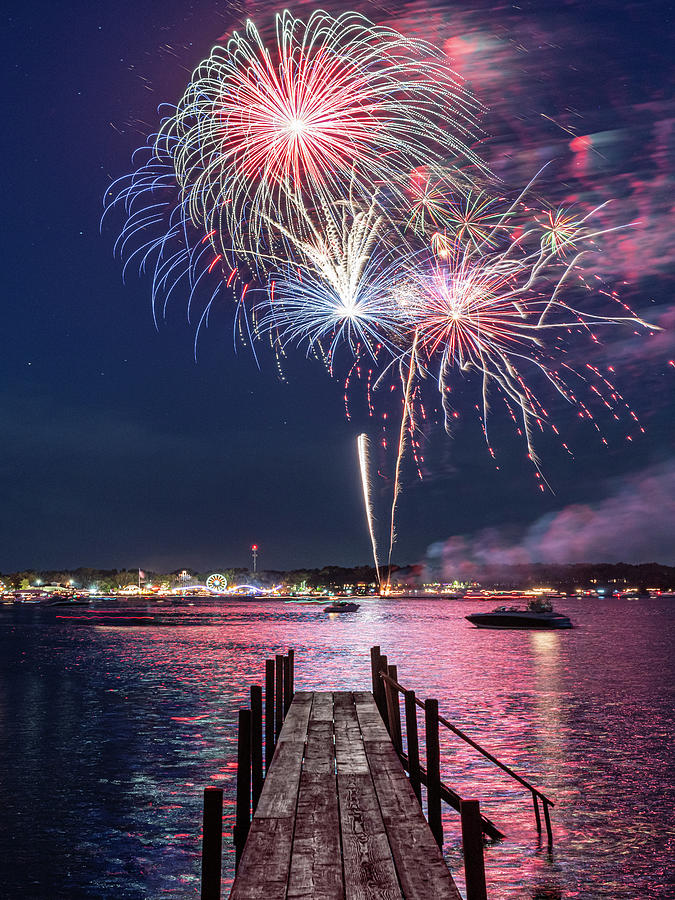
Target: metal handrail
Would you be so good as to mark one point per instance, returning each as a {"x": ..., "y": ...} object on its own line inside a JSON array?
[{"x": 472, "y": 743}]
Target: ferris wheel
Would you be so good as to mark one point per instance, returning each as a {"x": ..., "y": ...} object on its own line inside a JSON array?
[{"x": 216, "y": 582}]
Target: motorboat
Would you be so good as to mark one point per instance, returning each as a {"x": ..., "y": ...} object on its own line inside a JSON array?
[
  {"x": 341, "y": 606},
  {"x": 539, "y": 614}
]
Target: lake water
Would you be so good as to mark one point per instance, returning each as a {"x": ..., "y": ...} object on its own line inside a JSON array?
[{"x": 108, "y": 736}]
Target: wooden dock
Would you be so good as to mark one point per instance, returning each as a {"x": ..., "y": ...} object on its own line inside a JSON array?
[
  {"x": 337, "y": 816},
  {"x": 340, "y": 811}
]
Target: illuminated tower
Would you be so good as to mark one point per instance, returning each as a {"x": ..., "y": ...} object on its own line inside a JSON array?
[{"x": 254, "y": 551}]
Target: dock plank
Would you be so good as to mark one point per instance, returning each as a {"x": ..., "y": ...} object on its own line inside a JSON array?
[
  {"x": 369, "y": 869},
  {"x": 279, "y": 795},
  {"x": 320, "y": 749},
  {"x": 316, "y": 864},
  {"x": 322, "y": 706},
  {"x": 297, "y": 719},
  {"x": 420, "y": 865},
  {"x": 265, "y": 864},
  {"x": 370, "y": 720},
  {"x": 350, "y": 752}
]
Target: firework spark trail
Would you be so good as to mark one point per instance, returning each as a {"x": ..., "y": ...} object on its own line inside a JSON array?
[
  {"x": 362, "y": 444},
  {"x": 406, "y": 423}
]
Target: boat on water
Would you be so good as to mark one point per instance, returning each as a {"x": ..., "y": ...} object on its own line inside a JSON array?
[
  {"x": 341, "y": 606},
  {"x": 539, "y": 614},
  {"x": 65, "y": 601}
]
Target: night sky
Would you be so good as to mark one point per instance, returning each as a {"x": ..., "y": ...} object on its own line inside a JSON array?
[{"x": 119, "y": 449}]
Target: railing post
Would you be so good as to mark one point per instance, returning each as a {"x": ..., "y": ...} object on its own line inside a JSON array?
[
  {"x": 212, "y": 843},
  {"x": 537, "y": 817},
  {"x": 382, "y": 668},
  {"x": 413, "y": 744},
  {"x": 243, "y": 814},
  {"x": 472, "y": 841},
  {"x": 378, "y": 686},
  {"x": 279, "y": 695},
  {"x": 269, "y": 713},
  {"x": 394, "y": 710},
  {"x": 287, "y": 684},
  {"x": 433, "y": 770},
  {"x": 291, "y": 669},
  {"x": 256, "y": 744},
  {"x": 547, "y": 819}
]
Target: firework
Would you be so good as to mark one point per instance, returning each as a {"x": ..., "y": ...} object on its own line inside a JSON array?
[
  {"x": 472, "y": 219},
  {"x": 267, "y": 126},
  {"x": 498, "y": 313},
  {"x": 428, "y": 200},
  {"x": 407, "y": 424},
  {"x": 444, "y": 200},
  {"x": 338, "y": 286},
  {"x": 560, "y": 231},
  {"x": 158, "y": 236}
]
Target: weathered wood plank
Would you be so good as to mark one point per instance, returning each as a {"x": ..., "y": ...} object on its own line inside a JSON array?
[
  {"x": 280, "y": 792},
  {"x": 349, "y": 749},
  {"x": 419, "y": 863},
  {"x": 295, "y": 724},
  {"x": 320, "y": 749},
  {"x": 370, "y": 720},
  {"x": 316, "y": 863},
  {"x": 304, "y": 696},
  {"x": 264, "y": 867},
  {"x": 322, "y": 706},
  {"x": 369, "y": 870}
]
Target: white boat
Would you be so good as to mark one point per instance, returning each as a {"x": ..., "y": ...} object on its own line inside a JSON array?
[{"x": 539, "y": 614}]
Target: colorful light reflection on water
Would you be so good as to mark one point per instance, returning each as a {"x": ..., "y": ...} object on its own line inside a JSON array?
[{"x": 108, "y": 735}]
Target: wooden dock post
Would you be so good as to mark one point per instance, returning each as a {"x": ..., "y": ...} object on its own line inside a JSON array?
[
  {"x": 433, "y": 770},
  {"x": 383, "y": 668},
  {"x": 256, "y": 745},
  {"x": 378, "y": 684},
  {"x": 287, "y": 684},
  {"x": 212, "y": 843},
  {"x": 279, "y": 696},
  {"x": 413, "y": 744},
  {"x": 291, "y": 670},
  {"x": 472, "y": 841},
  {"x": 394, "y": 710},
  {"x": 243, "y": 814},
  {"x": 269, "y": 713}
]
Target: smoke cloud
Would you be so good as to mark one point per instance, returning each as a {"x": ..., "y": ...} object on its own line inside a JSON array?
[{"x": 635, "y": 523}]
